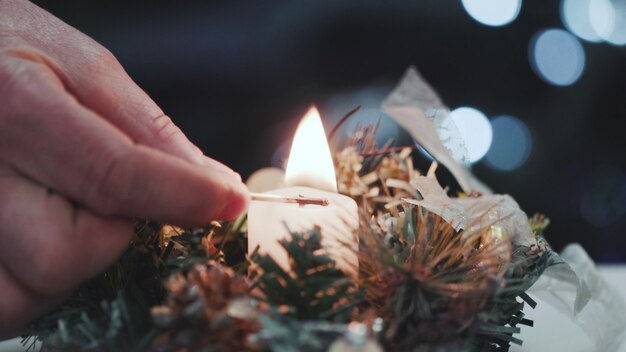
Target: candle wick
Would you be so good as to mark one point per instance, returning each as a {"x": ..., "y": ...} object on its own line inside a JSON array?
[{"x": 300, "y": 200}]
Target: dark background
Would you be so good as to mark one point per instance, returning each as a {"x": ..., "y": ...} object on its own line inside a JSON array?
[{"x": 237, "y": 76}]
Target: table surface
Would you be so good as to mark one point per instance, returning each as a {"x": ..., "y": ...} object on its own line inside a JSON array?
[{"x": 552, "y": 330}]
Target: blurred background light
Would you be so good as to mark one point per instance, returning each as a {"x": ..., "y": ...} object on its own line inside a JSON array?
[
  {"x": 511, "y": 144},
  {"x": 475, "y": 130},
  {"x": 387, "y": 129},
  {"x": 424, "y": 152},
  {"x": 576, "y": 17},
  {"x": 602, "y": 17},
  {"x": 618, "y": 34},
  {"x": 338, "y": 105},
  {"x": 493, "y": 12},
  {"x": 596, "y": 20},
  {"x": 557, "y": 57}
]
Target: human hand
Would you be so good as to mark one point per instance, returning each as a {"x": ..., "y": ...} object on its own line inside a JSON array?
[{"x": 82, "y": 150}]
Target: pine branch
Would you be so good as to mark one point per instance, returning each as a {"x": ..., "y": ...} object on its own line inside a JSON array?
[
  {"x": 111, "y": 311},
  {"x": 313, "y": 289}
]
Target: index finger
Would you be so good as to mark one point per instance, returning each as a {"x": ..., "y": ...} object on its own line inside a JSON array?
[{"x": 56, "y": 141}]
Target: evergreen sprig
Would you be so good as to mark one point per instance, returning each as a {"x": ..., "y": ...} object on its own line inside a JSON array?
[
  {"x": 497, "y": 324},
  {"x": 111, "y": 312},
  {"x": 313, "y": 288}
]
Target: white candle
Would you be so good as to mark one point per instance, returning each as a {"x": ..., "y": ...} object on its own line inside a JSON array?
[{"x": 310, "y": 173}]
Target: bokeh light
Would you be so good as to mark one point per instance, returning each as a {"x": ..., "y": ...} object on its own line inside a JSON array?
[
  {"x": 576, "y": 17},
  {"x": 493, "y": 12},
  {"x": 338, "y": 105},
  {"x": 475, "y": 130},
  {"x": 387, "y": 129},
  {"x": 596, "y": 20},
  {"x": 618, "y": 34},
  {"x": 602, "y": 17},
  {"x": 511, "y": 144},
  {"x": 424, "y": 152},
  {"x": 557, "y": 57}
]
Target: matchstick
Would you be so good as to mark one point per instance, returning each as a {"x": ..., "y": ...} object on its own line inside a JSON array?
[{"x": 282, "y": 199}]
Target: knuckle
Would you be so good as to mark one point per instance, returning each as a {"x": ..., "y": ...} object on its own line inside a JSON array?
[
  {"x": 164, "y": 128},
  {"x": 92, "y": 60},
  {"x": 93, "y": 54},
  {"x": 105, "y": 54},
  {"x": 104, "y": 61}
]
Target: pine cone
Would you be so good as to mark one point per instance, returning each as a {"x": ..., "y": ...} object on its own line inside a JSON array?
[{"x": 206, "y": 310}]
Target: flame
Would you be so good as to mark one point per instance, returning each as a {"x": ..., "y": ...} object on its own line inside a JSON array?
[{"x": 310, "y": 163}]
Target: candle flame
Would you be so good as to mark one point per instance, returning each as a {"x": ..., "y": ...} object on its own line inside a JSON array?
[{"x": 310, "y": 163}]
